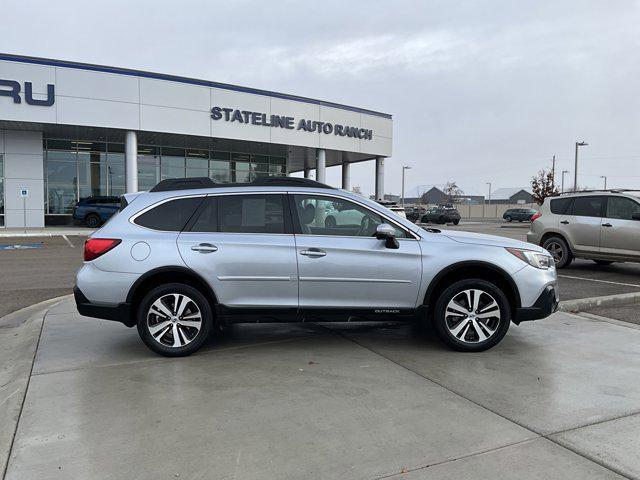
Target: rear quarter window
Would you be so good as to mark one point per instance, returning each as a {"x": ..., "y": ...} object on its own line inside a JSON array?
[
  {"x": 560, "y": 206},
  {"x": 171, "y": 216}
]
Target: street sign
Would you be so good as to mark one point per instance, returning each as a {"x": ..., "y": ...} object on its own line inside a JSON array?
[{"x": 24, "y": 192}]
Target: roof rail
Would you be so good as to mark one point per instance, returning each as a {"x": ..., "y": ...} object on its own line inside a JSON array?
[
  {"x": 286, "y": 182},
  {"x": 600, "y": 190},
  {"x": 171, "y": 184},
  {"x": 184, "y": 184}
]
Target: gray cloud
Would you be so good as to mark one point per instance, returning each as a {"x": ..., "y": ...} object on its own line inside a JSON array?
[{"x": 480, "y": 91}]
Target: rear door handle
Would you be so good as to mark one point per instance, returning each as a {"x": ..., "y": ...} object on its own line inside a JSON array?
[
  {"x": 313, "y": 252},
  {"x": 607, "y": 225},
  {"x": 564, "y": 222},
  {"x": 204, "y": 248}
]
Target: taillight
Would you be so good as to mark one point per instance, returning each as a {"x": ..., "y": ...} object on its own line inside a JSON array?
[
  {"x": 94, "y": 247},
  {"x": 535, "y": 215}
]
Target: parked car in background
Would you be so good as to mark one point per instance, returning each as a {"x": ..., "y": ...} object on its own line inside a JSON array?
[
  {"x": 519, "y": 214},
  {"x": 441, "y": 214},
  {"x": 189, "y": 257},
  {"x": 414, "y": 213},
  {"x": 93, "y": 211},
  {"x": 603, "y": 226}
]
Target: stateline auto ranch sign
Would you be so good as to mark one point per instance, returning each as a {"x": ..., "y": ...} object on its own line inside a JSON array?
[{"x": 290, "y": 123}]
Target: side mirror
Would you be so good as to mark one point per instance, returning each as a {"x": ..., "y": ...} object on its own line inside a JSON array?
[
  {"x": 386, "y": 232},
  {"x": 635, "y": 216}
]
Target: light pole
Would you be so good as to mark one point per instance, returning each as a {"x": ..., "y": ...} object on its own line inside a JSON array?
[
  {"x": 553, "y": 172},
  {"x": 605, "y": 181},
  {"x": 575, "y": 167},
  {"x": 488, "y": 183},
  {"x": 404, "y": 167},
  {"x": 563, "y": 172}
]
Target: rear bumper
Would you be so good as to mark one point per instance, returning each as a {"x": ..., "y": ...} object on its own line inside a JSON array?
[
  {"x": 118, "y": 313},
  {"x": 545, "y": 305}
]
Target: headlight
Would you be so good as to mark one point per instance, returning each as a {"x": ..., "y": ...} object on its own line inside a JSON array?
[{"x": 535, "y": 259}]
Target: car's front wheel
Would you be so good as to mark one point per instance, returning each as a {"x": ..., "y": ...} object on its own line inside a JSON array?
[
  {"x": 508, "y": 218},
  {"x": 559, "y": 250},
  {"x": 472, "y": 315},
  {"x": 174, "y": 320}
]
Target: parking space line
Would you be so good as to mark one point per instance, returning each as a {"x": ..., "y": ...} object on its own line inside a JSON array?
[
  {"x": 68, "y": 241},
  {"x": 601, "y": 281}
]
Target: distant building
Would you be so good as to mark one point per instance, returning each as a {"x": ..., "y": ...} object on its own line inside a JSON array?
[{"x": 513, "y": 196}]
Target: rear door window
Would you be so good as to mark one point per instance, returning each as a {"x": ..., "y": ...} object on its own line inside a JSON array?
[
  {"x": 171, "y": 216},
  {"x": 242, "y": 214},
  {"x": 588, "y": 206}
]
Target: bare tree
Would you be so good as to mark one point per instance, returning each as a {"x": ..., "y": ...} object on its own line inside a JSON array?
[
  {"x": 453, "y": 192},
  {"x": 542, "y": 186},
  {"x": 357, "y": 189}
]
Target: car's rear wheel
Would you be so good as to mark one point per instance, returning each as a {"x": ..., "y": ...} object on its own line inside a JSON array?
[
  {"x": 174, "y": 320},
  {"x": 472, "y": 315},
  {"x": 559, "y": 250},
  {"x": 456, "y": 222},
  {"x": 92, "y": 220}
]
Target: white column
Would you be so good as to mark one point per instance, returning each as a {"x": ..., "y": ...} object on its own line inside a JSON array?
[
  {"x": 379, "y": 178},
  {"x": 131, "y": 161},
  {"x": 346, "y": 176},
  {"x": 321, "y": 165}
]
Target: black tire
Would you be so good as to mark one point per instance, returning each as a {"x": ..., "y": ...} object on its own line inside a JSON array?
[
  {"x": 194, "y": 342},
  {"x": 330, "y": 222},
  {"x": 603, "y": 262},
  {"x": 520, "y": 220},
  {"x": 456, "y": 222},
  {"x": 561, "y": 254},
  {"x": 92, "y": 220},
  {"x": 508, "y": 218},
  {"x": 469, "y": 339}
]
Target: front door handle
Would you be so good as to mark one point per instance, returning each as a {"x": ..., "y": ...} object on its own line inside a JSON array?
[
  {"x": 607, "y": 225},
  {"x": 313, "y": 252},
  {"x": 565, "y": 222},
  {"x": 204, "y": 248}
]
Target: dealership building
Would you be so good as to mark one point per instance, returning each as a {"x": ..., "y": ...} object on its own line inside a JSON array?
[{"x": 71, "y": 130}]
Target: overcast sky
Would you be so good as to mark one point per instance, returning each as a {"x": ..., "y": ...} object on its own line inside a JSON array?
[{"x": 480, "y": 91}]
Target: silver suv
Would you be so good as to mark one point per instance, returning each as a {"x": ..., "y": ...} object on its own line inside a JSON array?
[
  {"x": 189, "y": 257},
  {"x": 603, "y": 226}
]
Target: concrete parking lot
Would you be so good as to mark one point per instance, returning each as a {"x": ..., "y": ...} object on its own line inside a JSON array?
[
  {"x": 558, "y": 398},
  {"x": 83, "y": 398}
]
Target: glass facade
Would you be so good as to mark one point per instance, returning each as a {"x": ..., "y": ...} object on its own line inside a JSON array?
[
  {"x": 76, "y": 169},
  {"x": 1, "y": 190}
]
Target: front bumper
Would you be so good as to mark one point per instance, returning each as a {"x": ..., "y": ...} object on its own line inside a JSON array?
[
  {"x": 118, "y": 313},
  {"x": 545, "y": 305}
]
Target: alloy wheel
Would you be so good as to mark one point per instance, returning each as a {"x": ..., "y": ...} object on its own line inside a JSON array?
[
  {"x": 472, "y": 316},
  {"x": 174, "y": 320},
  {"x": 556, "y": 251}
]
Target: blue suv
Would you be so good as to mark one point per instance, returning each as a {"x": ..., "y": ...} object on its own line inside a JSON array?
[{"x": 93, "y": 211}]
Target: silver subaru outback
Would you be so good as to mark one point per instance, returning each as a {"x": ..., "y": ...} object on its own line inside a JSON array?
[{"x": 189, "y": 257}]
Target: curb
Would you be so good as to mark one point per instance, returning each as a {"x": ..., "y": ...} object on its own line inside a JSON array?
[
  {"x": 20, "y": 335},
  {"x": 607, "y": 300}
]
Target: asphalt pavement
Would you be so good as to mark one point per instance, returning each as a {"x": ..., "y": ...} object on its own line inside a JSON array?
[
  {"x": 33, "y": 269},
  {"x": 30, "y": 275}
]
